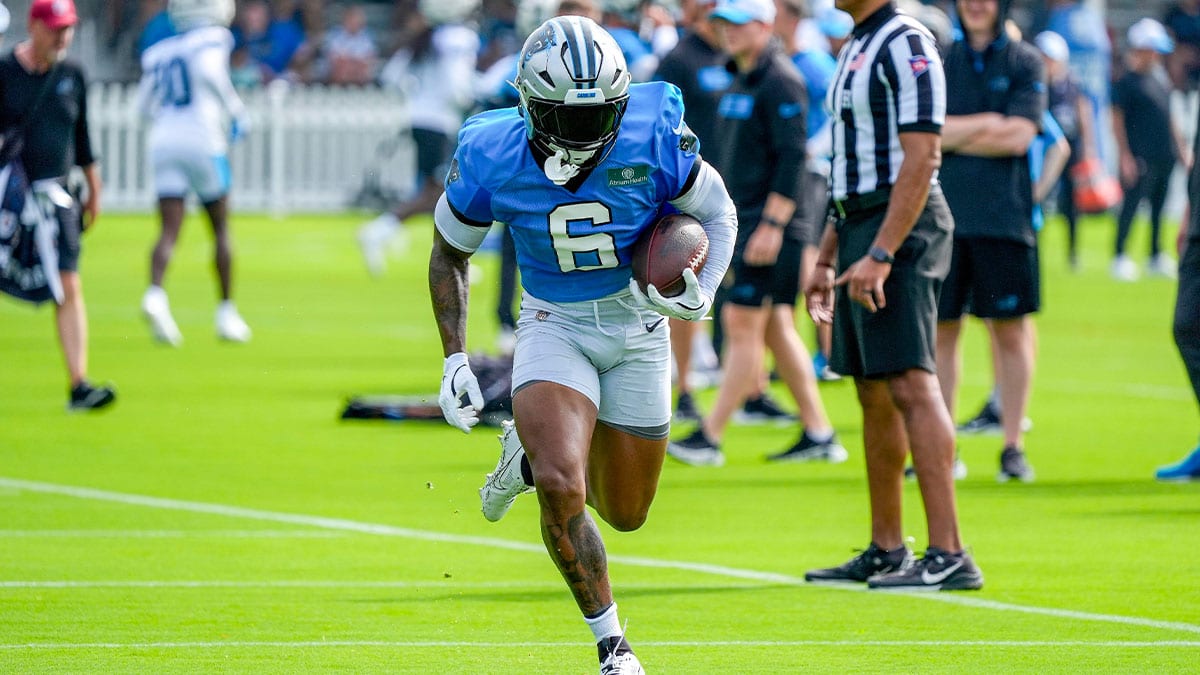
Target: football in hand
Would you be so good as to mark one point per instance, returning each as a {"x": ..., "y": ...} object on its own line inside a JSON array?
[{"x": 673, "y": 244}]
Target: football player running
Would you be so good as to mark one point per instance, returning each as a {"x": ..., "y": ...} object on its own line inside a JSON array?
[
  {"x": 578, "y": 170},
  {"x": 187, "y": 93}
]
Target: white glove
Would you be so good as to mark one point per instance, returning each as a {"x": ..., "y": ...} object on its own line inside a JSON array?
[
  {"x": 690, "y": 305},
  {"x": 458, "y": 379}
]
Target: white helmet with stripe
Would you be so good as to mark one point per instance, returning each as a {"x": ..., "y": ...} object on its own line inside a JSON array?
[{"x": 574, "y": 86}]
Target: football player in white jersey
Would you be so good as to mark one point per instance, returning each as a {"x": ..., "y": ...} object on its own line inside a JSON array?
[{"x": 187, "y": 93}]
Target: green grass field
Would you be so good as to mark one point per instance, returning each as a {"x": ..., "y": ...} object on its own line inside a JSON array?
[{"x": 220, "y": 518}]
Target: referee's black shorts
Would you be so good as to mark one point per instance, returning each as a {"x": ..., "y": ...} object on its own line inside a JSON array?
[{"x": 902, "y": 335}]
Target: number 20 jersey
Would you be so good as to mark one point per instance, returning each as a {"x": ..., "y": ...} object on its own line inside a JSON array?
[{"x": 575, "y": 245}]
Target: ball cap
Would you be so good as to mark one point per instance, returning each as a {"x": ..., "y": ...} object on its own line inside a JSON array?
[
  {"x": 54, "y": 13},
  {"x": 745, "y": 11},
  {"x": 1053, "y": 45},
  {"x": 1150, "y": 34}
]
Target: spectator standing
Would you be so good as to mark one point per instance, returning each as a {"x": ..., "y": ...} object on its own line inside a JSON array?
[
  {"x": 270, "y": 34},
  {"x": 697, "y": 66},
  {"x": 36, "y": 78},
  {"x": 187, "y": 92},
  {"x": 891, "y": 241},
  {"x": 991, "y": 120},
  {"x": 760, "y": 151},
  {"x": 1183, "y": 21},
  {"x": 1148, "y": 143},
  {"x": 1187, "y": 309},
  {"x": 350, "y": 50},
  {"x": 436, "y": 73}
]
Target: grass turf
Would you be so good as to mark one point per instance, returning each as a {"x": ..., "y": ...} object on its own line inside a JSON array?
[{"x": 285, "y": 540}]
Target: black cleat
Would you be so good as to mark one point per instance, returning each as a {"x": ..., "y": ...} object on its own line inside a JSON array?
[
  {"x": 617, "y": 657},
  {"x": 808, "y": 450},
  {"x": 1013, "y": 466},
  {"x": 987, "y": 422},
  {"x": 685, "y": 408},
  {"x": 864, "y": 566},
  {"x": 763, "y": 410},
  {"x": 938, "y": 570},
  {"x": 85, "y": 397},
  {"x": 696, "y": 450}
]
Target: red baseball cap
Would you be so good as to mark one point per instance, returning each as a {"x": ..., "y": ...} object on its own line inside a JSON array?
[{"x": 54, "y": 13}]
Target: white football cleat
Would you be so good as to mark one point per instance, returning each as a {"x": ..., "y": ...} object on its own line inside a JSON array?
[
  {"x": 616, "y": 658},
  {"x": 505, "y": 483},
  {"x": 1162, "y": 265},
  {"x": 230, "y": 325},
  {"x": 157, "y": 311},
  {"x": 1124, "y": 269},
  {"x": 374, "y": 238}
]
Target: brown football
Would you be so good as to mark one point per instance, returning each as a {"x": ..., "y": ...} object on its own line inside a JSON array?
[{"x": 673, "y": 244}]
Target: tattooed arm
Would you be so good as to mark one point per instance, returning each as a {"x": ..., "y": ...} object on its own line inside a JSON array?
[{"x": 448, "y": 291}]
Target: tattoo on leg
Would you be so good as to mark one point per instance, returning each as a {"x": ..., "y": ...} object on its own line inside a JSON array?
[{"x": 577, "y": 550}]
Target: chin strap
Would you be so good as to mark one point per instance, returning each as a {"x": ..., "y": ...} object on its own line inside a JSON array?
[{"x": 558, "y": 170}]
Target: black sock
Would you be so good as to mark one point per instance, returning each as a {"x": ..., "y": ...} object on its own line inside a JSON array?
[{"x": 526, "y": 470}]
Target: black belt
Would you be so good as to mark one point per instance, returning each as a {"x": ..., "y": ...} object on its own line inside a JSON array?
[{"x": 861, "y": 202}]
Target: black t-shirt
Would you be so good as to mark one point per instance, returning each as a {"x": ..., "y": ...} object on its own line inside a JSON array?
[
  {"x": 1064, "y": 97},
  {"x": 992, "y": 197},
  {"x": 56, "y": 138},
  {"x": 1146, "y": 102},
  {"x": 761, "y": 139},
  {"x": 698, "y": 69}
]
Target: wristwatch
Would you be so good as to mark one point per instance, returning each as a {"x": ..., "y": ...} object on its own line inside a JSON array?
[{"x": 879, "y": 254}]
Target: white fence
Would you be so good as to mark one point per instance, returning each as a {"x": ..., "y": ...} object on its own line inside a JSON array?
[{"x": 309, "y": 149}]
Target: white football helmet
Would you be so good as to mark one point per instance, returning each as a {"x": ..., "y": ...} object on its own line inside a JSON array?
[
  {"x": 438, "y": 12},
  {"x": 188, "y": 14},
  {"x": 574, "y": 86}
]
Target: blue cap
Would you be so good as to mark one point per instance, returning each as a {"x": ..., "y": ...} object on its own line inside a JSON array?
[{"x": 745, "y": 11}]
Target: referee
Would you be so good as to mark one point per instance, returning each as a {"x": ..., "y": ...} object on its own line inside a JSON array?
[{"x": 891, "y": 241}]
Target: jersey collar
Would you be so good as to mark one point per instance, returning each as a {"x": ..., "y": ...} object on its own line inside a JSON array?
[{"x": 877, "y": 19}]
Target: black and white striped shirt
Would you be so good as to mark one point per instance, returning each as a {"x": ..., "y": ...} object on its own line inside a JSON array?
[{"x": 889, "y": 80}]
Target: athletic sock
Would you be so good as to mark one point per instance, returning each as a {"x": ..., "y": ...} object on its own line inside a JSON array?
[
  {"x": 526, "y": 470},
  {"x": 605, "y": 624},
  {"x": 819, "y": 436}
]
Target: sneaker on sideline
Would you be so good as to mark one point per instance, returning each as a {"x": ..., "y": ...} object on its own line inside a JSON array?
[
  {"x": 1162, "y": 265},
  {"x": 157, "y": 310},
  {"x": 373, "y": 239},
  {"x": 230, "y": 325},
  {"x": 1013, "y": 466},
  {"x": 696, "y": 450},
  {"x": 1124, "y": 269},
  {"x": 85, "y": 397},
  {"x": 685, "y": 408},
  {"x": 504, "y": 484},
  {"x": 937, "y": 570},
  {"x": 862, "y": 567},
  {"x": 822, "y": 369},
  {"x": 617, "y": 657},
  {"x": 809, "y": 450},
  {"x": 960, "y": 469},
  {"x": 763, "y": 410},
  {"x": 987, "y": 422},
  {"x": 1185, "y": 469},
  {"x": 506, "y": 341}
]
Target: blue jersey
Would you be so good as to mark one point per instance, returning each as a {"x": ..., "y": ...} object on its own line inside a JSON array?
[
  {"x": 817, "y": 68},
  {"x": 1050, "y": 134},
  {"x": 575, "y": 245}
]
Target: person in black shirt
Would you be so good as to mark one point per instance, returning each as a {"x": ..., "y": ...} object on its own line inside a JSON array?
[
  {"x": 1187, "y": 311},
  {"x": 760, "y": 152},
  {"x": 1148, "y": 141},
  {"x": 55, "y": 139},
  {"x": 991, "y": 119}
]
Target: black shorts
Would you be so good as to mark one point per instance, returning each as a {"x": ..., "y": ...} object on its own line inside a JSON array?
[
  {"x": 434, "y": 150},
  {"x": 70, "y": 238},
  {"x": 902, "y": 335},
  {"x": 816, "y": 206},
  {"x": 752, "y": 285},
  {"x": 991, "y": 279}
]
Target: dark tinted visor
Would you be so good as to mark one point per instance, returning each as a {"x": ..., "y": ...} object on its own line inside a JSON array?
[{"x": 576, "y": 124}]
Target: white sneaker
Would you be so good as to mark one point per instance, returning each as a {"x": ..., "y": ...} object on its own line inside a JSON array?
[
  {"x": 506, "y": 341},
  {"x": 1124, "y": 269},
  {"x": 157, "y": 311},
  {"x": 503, "y": 485},
  {"x": 373, "y": 239},
  {"x": 1161, "y": 265},
  {"x": 230, "y": 325}
]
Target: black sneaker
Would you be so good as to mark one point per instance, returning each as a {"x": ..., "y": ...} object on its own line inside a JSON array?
[
  {"x": 808, "y": 450},
  {"x": 987, "y": 422},
  {"x": 617, "y": 657},
  {"x": 696, "y": 450},
  {"x": 863, "y": 566},
  {"x": 86, "y": 397},
  {"x": 685, "y": 408},
  {"x": 938, "y": 570},
  {"x": 960, "y": 469},
  {"x": 762, "y": 410},
  {"x": 1013, "y": 466}
]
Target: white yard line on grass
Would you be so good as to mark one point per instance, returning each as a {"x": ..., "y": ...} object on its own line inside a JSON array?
[
  {"x": 444, "y": 585},
  {"x": 404, "y": 532},
  {"x": 171, "y": 534},
  {"x": 641, "y": 643}
]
